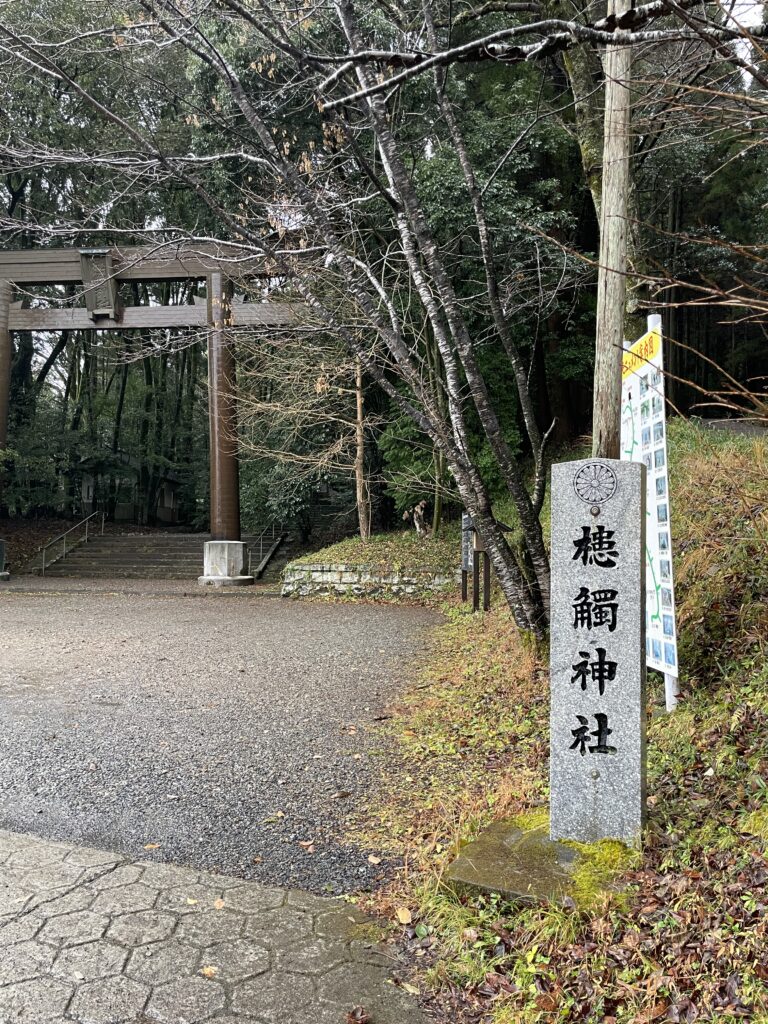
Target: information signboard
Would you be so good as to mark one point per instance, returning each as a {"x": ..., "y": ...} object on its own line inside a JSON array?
[{"x": 644, "y": 439}]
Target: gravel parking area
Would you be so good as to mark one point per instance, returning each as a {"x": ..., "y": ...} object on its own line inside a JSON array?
[{"x": 226, "y": 734}]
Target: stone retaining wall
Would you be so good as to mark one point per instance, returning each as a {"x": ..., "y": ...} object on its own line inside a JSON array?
[{"x": 301, "y": 579}]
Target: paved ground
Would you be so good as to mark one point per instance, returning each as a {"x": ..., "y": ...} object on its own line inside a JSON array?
[
  {"x": 89, "y": 937},
  {"x": 224, "y": 733}
]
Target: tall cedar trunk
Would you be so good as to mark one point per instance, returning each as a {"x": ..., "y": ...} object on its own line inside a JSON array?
[
  {"x": 157, "y": 440},
  {"x": 79, "y": 372},
  {"x": 612, "y": 274},
  {"x": 144, "y": 470},
  {"x": 361, "y": 484},
  {"x": 22, "y": 390},
  {"x": 90, "y": 381},
  {"x": 113, "y": 480},
  {"x": 189, "y": 492},
  {"x": 180, "y": 375}
]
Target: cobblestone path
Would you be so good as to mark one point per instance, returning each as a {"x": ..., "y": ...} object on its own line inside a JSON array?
[{"x": 92, "y": 937}]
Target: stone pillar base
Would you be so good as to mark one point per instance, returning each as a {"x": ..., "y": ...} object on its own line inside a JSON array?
[
  {"x": 223, "y": 564},
  {"x": 4, "y": 577}
]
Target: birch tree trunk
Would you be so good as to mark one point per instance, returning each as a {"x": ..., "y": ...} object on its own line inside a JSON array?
[{"x": 361, "y": 484}]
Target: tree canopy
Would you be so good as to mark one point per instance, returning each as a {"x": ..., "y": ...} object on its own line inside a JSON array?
[{"x": 425, "y": 178}]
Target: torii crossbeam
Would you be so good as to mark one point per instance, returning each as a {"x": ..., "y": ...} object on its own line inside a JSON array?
[{"x": 99, "y": 271}]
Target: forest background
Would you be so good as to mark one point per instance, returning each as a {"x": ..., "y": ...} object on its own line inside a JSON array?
[{"x": 441, "y": 229}]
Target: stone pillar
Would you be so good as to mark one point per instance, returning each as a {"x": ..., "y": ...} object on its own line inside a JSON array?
[
  {"x": 597, "y": 651},
  {"x": 225, "y": 564},
  {"x": 225, "y": 560}
]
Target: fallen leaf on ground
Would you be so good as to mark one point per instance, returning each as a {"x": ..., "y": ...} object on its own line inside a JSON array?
[
  {"x": 152, "y": 846},
  {"x": 218, "y": 904},
  {"x": 374, "y": 860},
  {"x": 404, "y": 915},
  {"x": 209, "y": 972}
]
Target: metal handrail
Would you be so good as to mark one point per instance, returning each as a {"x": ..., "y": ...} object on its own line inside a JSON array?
[
  {"x": 273, "y": 527},
  {"x": 63, "y": 536}
]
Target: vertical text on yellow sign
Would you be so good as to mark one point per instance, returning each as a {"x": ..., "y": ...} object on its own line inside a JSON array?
[{"x": 641, "y": 353}]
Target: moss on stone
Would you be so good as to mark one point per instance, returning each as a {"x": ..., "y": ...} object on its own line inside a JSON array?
[
  {"x": 538, "y": 817},
  {"x": 598, "y": 866}
]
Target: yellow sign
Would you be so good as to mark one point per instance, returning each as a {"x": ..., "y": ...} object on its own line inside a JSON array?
[{"x": 643, "y": 351}]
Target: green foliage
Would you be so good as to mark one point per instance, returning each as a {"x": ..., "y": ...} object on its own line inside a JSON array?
[
  {"x": 272, "y": 492},
  {"x": 408, "y": 461}
]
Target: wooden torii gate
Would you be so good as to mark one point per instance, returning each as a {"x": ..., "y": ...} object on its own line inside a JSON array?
[{"x": 98, "y": 272}]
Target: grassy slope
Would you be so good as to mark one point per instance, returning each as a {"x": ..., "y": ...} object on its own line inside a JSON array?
[
  {"x": 686, "y": 936},
  {"x": 399, "y": 551}
]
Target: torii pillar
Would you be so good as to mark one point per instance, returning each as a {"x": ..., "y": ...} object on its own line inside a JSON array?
[
  {"x": 6, "y": 352},
  {"x": 225, "y": 560}
]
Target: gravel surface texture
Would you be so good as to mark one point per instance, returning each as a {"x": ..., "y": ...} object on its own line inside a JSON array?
[{"x": 229, "y": 732}]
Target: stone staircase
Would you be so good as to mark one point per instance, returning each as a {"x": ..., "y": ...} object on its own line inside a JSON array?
[
  {"x": 138, "y": 556},
  {"x": 170, "y": 556}
]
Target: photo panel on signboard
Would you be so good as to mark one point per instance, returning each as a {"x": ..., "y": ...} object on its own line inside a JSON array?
[
  {"x": 659, "y": 458},
  {"x": 661, "y": 486},
  {"x": 646, "y": 437},
  {"x": 658, "y": 431},
  {"x": 656, "y": 649},
  {"x": 669, "y": 655},
  {"x": 662, "y": 513}
]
